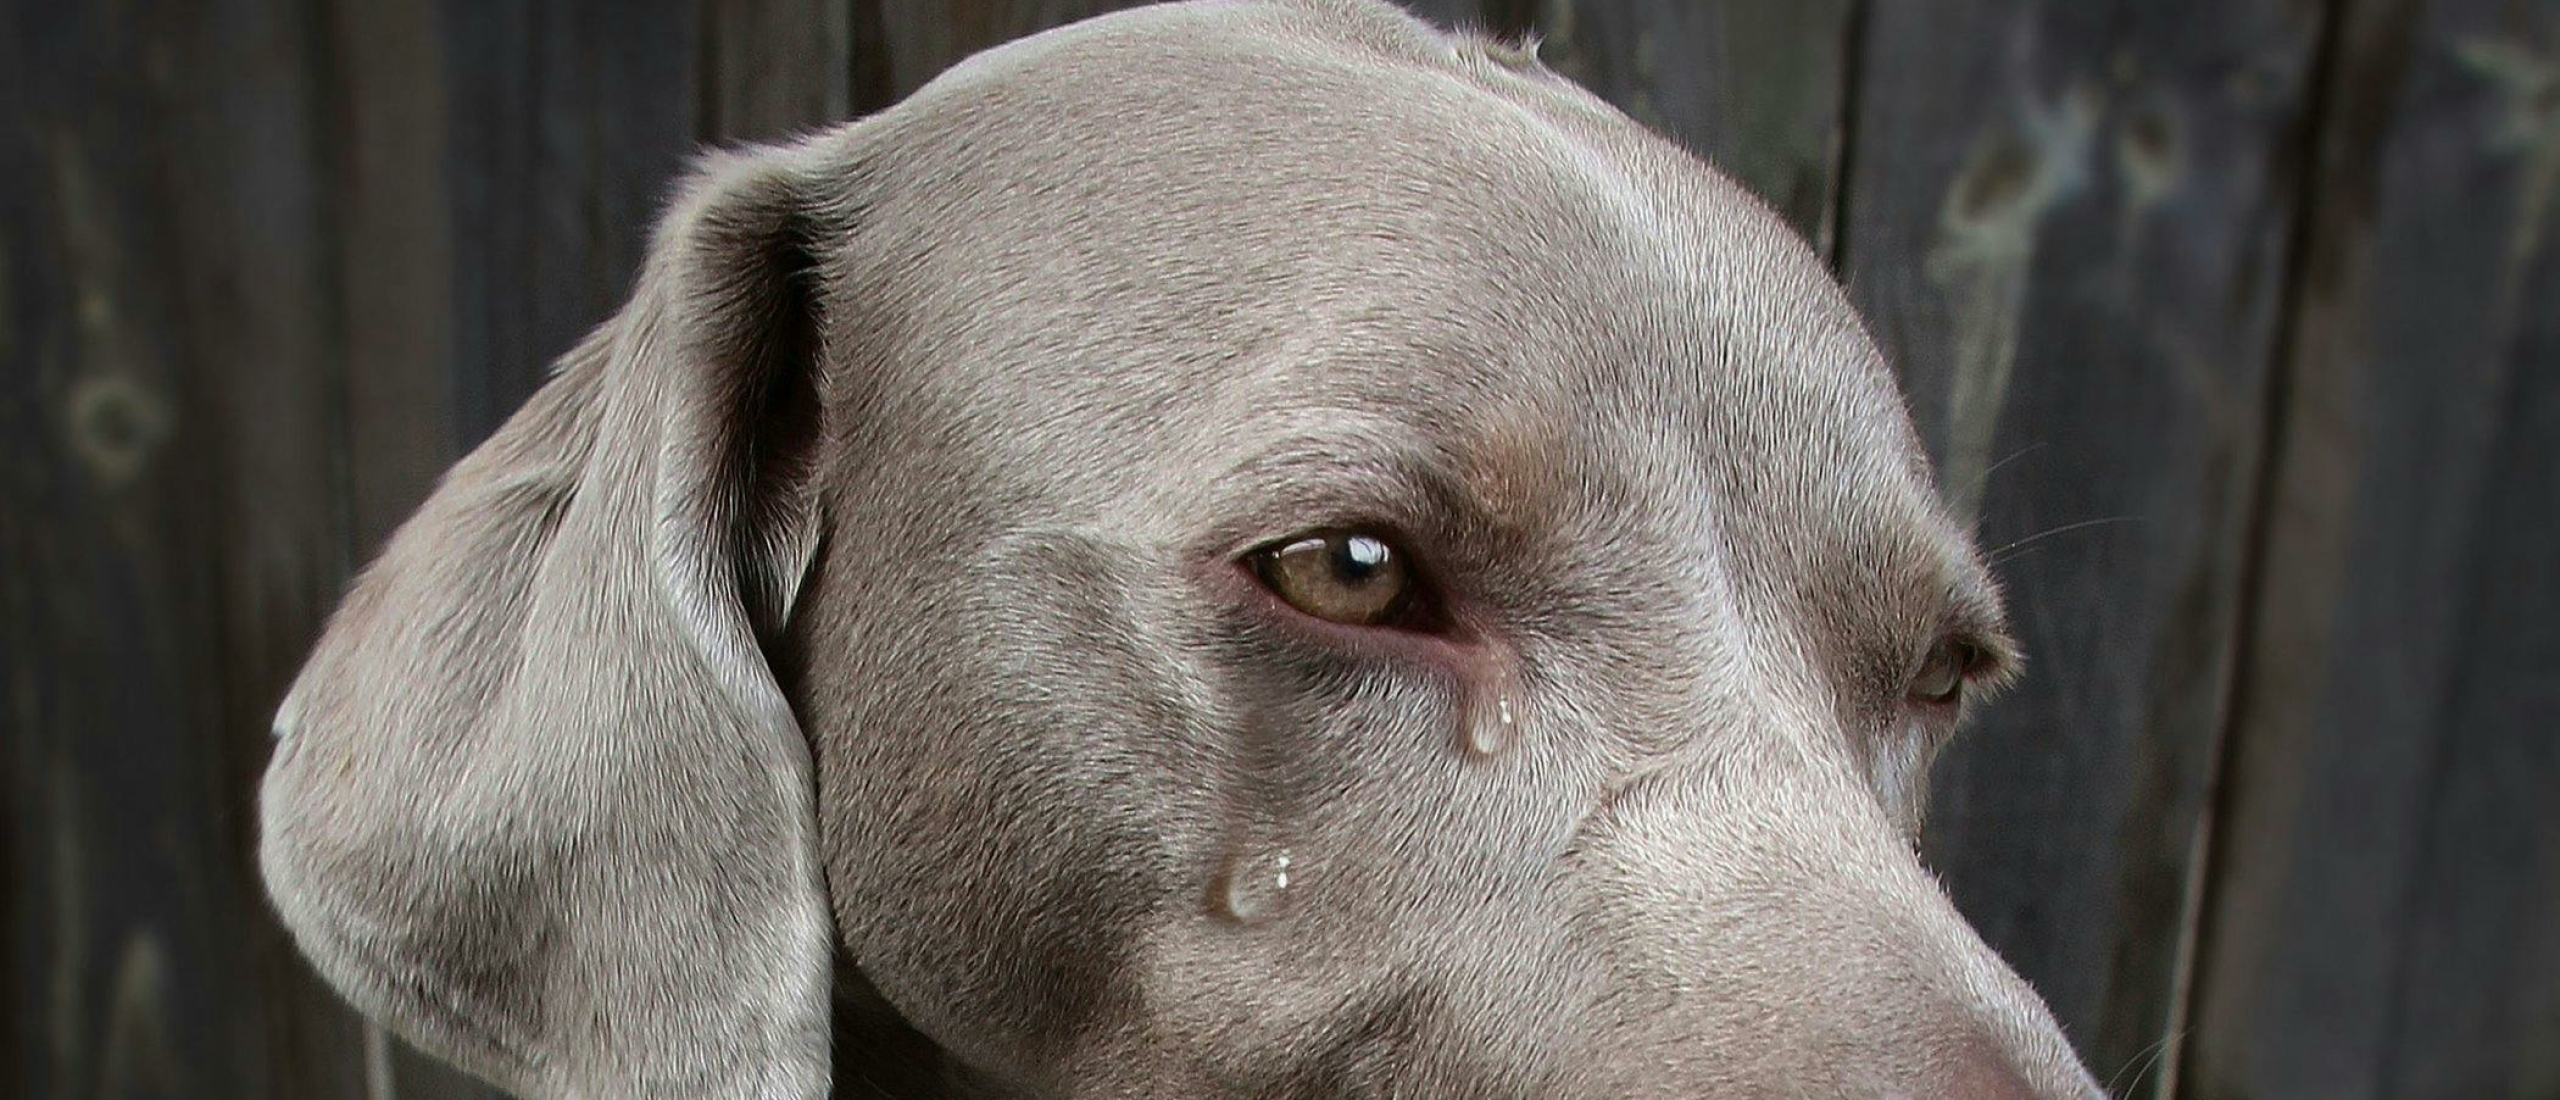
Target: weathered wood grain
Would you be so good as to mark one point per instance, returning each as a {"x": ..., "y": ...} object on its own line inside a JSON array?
[
  {"x": 569, "y": 122},
  {"x": 392, "y": 180},
  {"x": 2386, "y": 910},
  {"x": 2067, "y": 226},
  {"x": 172, "y": 534},
  {"x": 1757, "y": 87}
]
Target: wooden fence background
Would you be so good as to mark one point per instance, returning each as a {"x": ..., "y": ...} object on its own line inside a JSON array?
[{"x": 2235, "y": 322}]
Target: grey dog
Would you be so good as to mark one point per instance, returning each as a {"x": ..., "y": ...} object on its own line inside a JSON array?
[{"x": 1229, "y": 550}]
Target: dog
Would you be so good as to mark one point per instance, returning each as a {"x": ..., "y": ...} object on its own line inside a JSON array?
[{"x": 1232, "y": 549}]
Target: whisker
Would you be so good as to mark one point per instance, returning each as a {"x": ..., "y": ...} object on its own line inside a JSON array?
[
  {"x": 2002, "y": 554},
  {"x": 1984, "y": 478},
  {"x": 2143, "y": 1060}
]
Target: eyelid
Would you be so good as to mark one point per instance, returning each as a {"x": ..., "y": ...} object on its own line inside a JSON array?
[{"x": 1291, "y": 491}]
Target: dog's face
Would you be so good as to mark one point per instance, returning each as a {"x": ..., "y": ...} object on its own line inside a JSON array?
[{"x": 1244, "y": 550}]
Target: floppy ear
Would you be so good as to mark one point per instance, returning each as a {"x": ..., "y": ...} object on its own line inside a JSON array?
[{"x": 538, "y": 803}]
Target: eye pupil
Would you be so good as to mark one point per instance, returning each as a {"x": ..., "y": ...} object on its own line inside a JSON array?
[{"x": 1360, "y": 559}]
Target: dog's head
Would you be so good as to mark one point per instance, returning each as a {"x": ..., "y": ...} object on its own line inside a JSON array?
[{"x": 1229, "y": 550}]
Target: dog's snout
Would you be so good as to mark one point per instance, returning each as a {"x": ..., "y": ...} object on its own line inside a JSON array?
[{"x": 1827, "y": 902}]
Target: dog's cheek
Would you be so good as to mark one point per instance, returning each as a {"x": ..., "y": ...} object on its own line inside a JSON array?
[
  {"x": 1006, "y": 788},
  {"x": 1232, "y": 750},
  {"x": 1027, "y": 838}
]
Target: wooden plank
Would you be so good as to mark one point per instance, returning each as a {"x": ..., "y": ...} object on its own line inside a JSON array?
[
  {"x": 569, "y": 122},
  {"x": 2066, "y": 224},
  {"x": 2386, "y": 914},
  {"x": 392, "y": 199},
  {"x": 1757, "y": 87},
  {"x": 173, "y": 534}
]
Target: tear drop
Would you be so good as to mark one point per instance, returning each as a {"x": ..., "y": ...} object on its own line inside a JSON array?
[
  {"x": 1255, "y": 886},
  {"x": 1490, "y": 737}
]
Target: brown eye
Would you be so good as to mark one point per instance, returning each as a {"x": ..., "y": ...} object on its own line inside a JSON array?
[
  {"x": 1339, "y": 576},
  {"x": 1940, "y": 681}
]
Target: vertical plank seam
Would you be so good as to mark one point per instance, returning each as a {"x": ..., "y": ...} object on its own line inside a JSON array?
[
  {"x": 870, "y": 71},
  {"x": 1844, "y": 142},
  {"x": 334, "y": 112},
  {"x": 849, "y": 81},
  {"x": 709, "y": 96},
  {"x": 2309, "y": 208}
]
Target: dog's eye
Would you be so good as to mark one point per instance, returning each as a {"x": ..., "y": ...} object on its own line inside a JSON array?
[
  {"x": 1347, "y": 577},
  {"x": 1940, "y": 681}
]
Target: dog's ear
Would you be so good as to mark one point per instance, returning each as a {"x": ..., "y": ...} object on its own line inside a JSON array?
[{"x": 538, "y": 802}]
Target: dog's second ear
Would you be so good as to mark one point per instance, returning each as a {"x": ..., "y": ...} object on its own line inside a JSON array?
[{"x": 538, "y": 802}]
